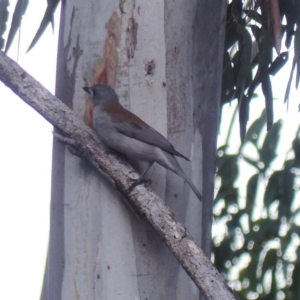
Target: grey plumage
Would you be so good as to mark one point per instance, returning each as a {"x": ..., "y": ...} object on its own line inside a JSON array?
[{"x": 123, "y": 131}]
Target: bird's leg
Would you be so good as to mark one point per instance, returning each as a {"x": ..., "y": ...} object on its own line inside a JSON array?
[{"x": 141, "y": 178}]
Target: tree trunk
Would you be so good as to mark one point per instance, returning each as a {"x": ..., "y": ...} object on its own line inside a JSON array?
[{"x": 166, "y": 69}]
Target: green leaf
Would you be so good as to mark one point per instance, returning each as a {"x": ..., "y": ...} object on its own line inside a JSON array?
[
  {"x": 222, "y": 253},
  {"x": 250, "y": 272},
  {"x": 265, "y": 59},
  {"x": 295, "y": 286},
  {"x": 228, "y": 193},
  {"x": 265, "y": 48},
  {"x": 297, "y": 54},
  {"x": 244, "y": 69},
  {"x": 255, "y": 31},
  {"x": 48, "y": 18},
  {"x": 234, "y": 224},
  {"x": 243, "y": 115},
  {"x": 4, "y": 4},
  {"x": 296, "y": 148},
  {"x": 270, "y": 261},
  {"x": 20, "y": 10},
  {"x": 254, "y": 84},
  {"x": 288, "y": 87},
  {"x": 291, "y": 11},
  {"x": 254, "y": 15},
  {"x": 269, "y": 147},
  {"x": 273, "y": 189},
  {"x": 227, "y": 78},
  {"x": 278, "y": 63},
  {"x": 232, "y": 35},
  {"x": 287, "y": 190},
  {"x": 255, "y": 130},
  {"x": 228, "y": 171},
  {"x": 252, "y": 190},
  {"x": 221, "y": 156},
  {"x": 267, "y": 91}
]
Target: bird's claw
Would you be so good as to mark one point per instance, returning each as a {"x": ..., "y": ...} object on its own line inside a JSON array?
[{"x": 138, "y": 182}]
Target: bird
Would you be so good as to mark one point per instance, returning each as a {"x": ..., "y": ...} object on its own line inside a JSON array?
[{"x": 123, "y": 131}]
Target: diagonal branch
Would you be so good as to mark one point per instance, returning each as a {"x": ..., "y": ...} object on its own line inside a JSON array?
[{"x": 142, "y": 198}]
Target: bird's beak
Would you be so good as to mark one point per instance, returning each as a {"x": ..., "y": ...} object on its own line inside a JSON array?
[{"x": 89, "y": 90}]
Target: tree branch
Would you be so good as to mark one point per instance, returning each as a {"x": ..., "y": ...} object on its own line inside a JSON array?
[{"x": 142, "y": 198}]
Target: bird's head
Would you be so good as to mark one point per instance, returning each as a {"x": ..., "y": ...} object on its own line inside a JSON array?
[{"x": 101, "y": 94}]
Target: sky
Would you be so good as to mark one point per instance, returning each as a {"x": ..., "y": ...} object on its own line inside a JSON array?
[
  {"x": 25, "y": 160},
  {"x": 25, "y": 166}
]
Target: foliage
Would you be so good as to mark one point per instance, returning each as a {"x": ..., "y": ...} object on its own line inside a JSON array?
[
  {"x": 259, "y": 250},
  {"x": 253, "y": 29},
  {"x": 20, "y": 10}
]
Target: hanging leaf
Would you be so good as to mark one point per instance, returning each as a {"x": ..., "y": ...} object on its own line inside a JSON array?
[
  {"x": 265, "y": 48},
  {"x": 3, "y": 20},
  {"x": 278, "y": 63},
  {"x": 255, "y": 129},
  {"x": 243, "y": 116},
  {"x": 267, "y": 91},
  {"x": 273, "y": 190},
  {"x": 249, "y": 273},
  {"x": 275, "y": 23},
  {"x": 228, "y": 171},
  {"x": 288, "y": 87},
  {"x": 231, "y": 196},
  {"x": 270, "y": 261},
  {"x": 252, "y": 190},
  {"x": 48, "y": 18},
  {"x": 254, "y": 15},
  {"x": 269, "y": 147},
  {"x": 221, "y": 157},
  {"x": 227, "y": 192},
  {"x": 228, "y": 77},
  {"x": 254, "y": 84},
  {"x": 287, "y": 190},
  {"x": 296, "y": 148},
  {"x": 20, "y": 9},
  {"x": 255, "y": 31},
  {"x": 222, "y": 253},
  {"x": 295, "y": 286},
  {"x": 297, "y": 54},
  {"x": 291, "y": 11},
  {"x": 244, "y": 62},
  {"x": 231, "y": 35}
]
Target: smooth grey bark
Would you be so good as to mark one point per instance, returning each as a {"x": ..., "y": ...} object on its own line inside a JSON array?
[
  {"x": 142, "y": 198},
  {"x": 195, "y": 32},
  {"x": 168, "y": 70},
  {"x": 209, "y": 69}
]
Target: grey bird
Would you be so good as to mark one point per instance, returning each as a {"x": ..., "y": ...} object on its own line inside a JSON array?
[{"x": 123, "y": 131}]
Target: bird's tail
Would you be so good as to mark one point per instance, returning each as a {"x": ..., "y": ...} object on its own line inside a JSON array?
[
  {"x": 181, "y": 173},
  {"x": 173, "y": 165}
]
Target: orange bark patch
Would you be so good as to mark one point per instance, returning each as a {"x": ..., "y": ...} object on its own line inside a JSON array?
[
  {"x": 105, "y": 72},
  {"x": 88, "y": 113}
]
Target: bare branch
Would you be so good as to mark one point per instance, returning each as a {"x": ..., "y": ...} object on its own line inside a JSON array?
[{"x": 142, "y": 198}]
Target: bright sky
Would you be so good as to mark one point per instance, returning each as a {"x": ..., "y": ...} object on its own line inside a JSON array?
[
  {"x": 25, "y": 167},
  {"x": 25, "y": 161}
]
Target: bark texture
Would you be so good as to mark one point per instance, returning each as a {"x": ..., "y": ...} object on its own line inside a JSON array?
[
  {"x": 142, "y": 199},
  {"x": 164, "y": 59}
]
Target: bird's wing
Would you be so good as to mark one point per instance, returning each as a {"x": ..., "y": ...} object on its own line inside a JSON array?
[{"x": 143, "y": 132}]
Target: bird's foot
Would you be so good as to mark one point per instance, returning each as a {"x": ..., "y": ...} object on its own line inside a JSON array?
[{"x": 138, "y": 182}]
